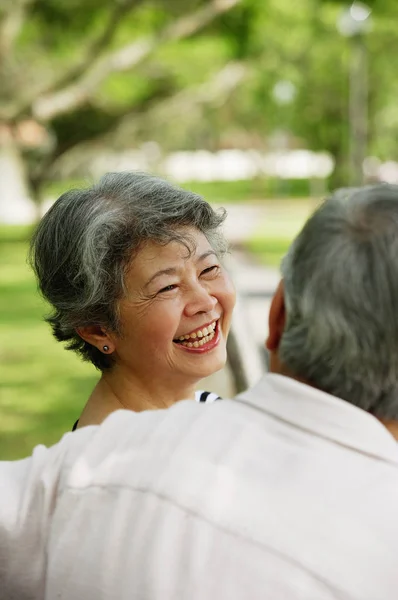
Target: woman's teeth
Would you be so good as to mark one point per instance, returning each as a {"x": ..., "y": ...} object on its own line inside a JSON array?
[
  {"x": 199, "y": 337},
  {"x": 199, "y": 343}
]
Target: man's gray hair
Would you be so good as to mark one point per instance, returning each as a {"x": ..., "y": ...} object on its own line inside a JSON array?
[
  {"x": 86, "y": 240},
  {"x": 341, "y": 296}
]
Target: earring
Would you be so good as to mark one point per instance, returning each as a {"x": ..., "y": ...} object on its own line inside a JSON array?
[{"x": 105, "y": 348}]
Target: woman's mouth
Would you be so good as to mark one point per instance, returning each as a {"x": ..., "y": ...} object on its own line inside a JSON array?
[{"x": 200, "y": 339}]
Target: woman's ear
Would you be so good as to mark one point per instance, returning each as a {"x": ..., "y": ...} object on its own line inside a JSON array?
[
  {"x": 97, "y": 336},
  {"x": 276, "y": 319}
]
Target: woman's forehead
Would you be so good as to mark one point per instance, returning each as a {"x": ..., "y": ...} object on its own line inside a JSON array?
[{"x": 154, "y": 255}]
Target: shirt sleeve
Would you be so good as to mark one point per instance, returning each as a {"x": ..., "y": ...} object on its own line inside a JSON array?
[{"x": 28, "y": 493}]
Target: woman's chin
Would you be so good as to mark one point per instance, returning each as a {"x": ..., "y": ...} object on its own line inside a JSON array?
[
  {"x": 201, "y": 362},
  {"x": 214, "y": 363}
]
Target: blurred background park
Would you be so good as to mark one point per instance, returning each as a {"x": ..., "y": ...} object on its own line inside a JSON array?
[{"x": 262, "y": 106}]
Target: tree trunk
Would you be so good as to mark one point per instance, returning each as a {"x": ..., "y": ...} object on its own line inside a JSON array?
[{"x": 16, "y": 205}]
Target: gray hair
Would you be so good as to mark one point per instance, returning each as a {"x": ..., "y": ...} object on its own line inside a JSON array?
[
  {"x": 341, "y": 295},
  {"x": 84, "y": 243}
]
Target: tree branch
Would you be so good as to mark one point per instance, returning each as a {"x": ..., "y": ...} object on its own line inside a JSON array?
[
  {"x": 49, "y": 106},
  {"x": 98, "y": 45},
  {"x": 213, "y": 92},
  {"x": 94, "y": 48},
  {"x": 11, "y": 21}
]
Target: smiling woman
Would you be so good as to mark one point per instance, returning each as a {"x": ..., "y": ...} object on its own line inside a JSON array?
[{"x": 133, "y": 270}]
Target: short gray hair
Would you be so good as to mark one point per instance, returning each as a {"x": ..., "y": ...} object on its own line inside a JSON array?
[
  {"x": 341, "y": 295},
  {"x": 84, "y": 243}
]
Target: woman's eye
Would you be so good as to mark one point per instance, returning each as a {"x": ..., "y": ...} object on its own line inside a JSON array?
[
  {"x": 168, "y": 288},
  {"x": 213, "y": 269}
]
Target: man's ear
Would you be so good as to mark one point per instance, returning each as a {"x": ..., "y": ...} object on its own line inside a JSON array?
[
  {"x": 276, "y": 319},
  {"x": 97, "y": 336}
]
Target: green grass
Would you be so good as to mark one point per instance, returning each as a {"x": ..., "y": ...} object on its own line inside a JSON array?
[
  {"x": 249, "y": 190},
  {"x": 245, "y": 190},
  {"x": 277, "y": 228},
  {"x": 258, "y": 190},
  {"x": 42, "y": 387},
  {"x": 268, "y": 251}
]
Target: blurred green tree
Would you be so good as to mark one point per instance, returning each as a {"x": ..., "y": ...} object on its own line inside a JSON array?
[
  {"x": 72, "y": 70},
  {"x": 302, "y": 46},
  {"x": 77, "y": 74}
]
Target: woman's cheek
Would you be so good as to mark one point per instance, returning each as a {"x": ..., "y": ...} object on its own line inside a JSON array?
[{"x": 229, "y": 290}]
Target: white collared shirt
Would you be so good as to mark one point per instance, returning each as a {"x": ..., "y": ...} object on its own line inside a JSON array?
[{"x": 285, "y": 493}]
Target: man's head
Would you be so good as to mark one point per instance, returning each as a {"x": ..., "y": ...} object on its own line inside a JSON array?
[{"x": 334, "y": 319}]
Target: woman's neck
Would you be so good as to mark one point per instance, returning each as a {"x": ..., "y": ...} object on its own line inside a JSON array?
[{"x": 116, "y": 391}]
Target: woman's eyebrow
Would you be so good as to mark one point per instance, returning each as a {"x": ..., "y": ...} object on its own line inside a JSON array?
[
  {"x": 174, "y": 271},
  {"x": 169, "y": 271},
  {"x": 206, "y": 254}
]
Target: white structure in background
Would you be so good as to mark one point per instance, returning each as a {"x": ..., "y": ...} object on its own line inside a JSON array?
[
  {"x": 145, "y": 158},
  {"x": 284, "y": 92},
  {"x": 374, "y": 170},
  {"x": 298, "y": 164},
  {"x": 230, "y": 165},
  {"x": 388, "y": 172},
  {"x": 201, "y": 165},
  {"x": 17, "y": 208},
  {"x": 354, "y": 20}
]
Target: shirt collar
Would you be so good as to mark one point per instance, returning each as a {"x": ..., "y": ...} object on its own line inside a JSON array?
[{"x": 321, "y": 414}]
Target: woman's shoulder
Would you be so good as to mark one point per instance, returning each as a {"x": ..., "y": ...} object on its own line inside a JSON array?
[{"x": 203, "y": 396}]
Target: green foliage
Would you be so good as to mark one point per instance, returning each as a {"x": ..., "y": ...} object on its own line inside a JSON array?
[
  {"x": 193, "y": 60},
  {"x": 274, "y": 39},
  {"x": 59, "y": 29},
  {"x": 236, "y": 27}
]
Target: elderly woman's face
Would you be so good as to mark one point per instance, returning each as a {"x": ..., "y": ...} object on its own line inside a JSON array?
[{"x": 176, "y": 315}]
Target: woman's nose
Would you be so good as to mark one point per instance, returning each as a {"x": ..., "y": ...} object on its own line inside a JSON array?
[{"x": 200, "y": 301}]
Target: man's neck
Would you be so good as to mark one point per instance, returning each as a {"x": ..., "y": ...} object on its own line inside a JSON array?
[{"x": 279, "y": 369}]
